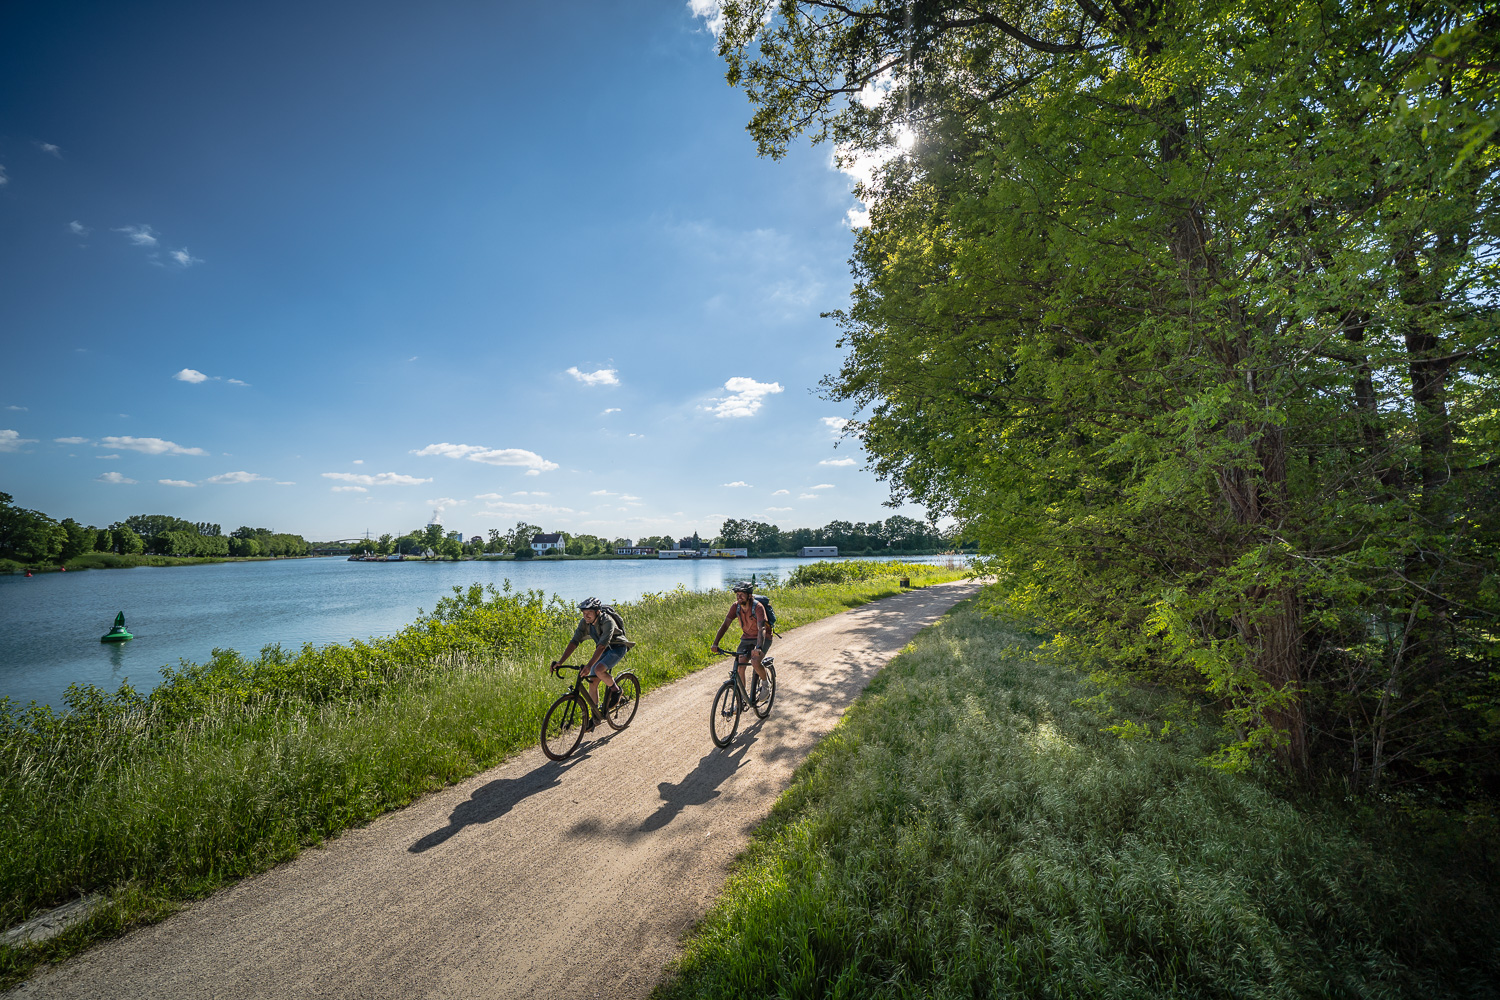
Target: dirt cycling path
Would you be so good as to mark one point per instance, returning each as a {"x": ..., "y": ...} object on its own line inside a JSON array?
[{"x": 533, "y": 879}]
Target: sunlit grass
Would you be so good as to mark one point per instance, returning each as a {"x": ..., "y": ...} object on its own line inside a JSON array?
[
  {"x": 240, "y": 767},
  {"x": 967, "y": 831}
]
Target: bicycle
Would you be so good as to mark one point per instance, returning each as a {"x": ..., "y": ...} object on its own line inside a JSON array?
[
  {"x": 731, "y": 700},
  {"x": 566, "y": 721}
]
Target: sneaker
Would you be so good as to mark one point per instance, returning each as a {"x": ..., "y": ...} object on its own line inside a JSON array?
[{"x": 611, "y": 699}]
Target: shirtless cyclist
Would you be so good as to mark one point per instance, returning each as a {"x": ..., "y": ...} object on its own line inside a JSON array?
[{"x": 755, "y": 629}]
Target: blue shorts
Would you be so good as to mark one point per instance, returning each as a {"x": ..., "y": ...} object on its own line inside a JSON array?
[{"x": 612, "y": 655}]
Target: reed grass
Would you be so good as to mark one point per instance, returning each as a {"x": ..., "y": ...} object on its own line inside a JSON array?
[
  {"x": 968, "y": 831},
  {"x": 234, "y": 765}
]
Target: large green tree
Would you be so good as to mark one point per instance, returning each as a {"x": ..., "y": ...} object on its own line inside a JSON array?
[{"x": 1187, "y": 312}]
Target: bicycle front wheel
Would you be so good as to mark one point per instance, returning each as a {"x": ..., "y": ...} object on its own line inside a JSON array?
[
  {"x": 619, "y": 715},
  {"x": 562, "y": 726},
  {"x": 724, "y": 717},
  {"x": 763, "y": 692}
]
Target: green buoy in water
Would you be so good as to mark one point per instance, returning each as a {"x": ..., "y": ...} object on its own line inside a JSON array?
[{"x": 118, "y": 633}]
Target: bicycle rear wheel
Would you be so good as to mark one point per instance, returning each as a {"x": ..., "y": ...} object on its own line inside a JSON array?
[
  {"x": 562, "y": 726},
  {"x": 623, "y": 711},
  {"x": 724, "y": 717},
  {"x": 763, "y": 693}
]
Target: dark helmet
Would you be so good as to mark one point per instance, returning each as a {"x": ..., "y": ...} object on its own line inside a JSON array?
[
  {"x": 742, "y": 588},
  {"x": 590, "y": 604}
]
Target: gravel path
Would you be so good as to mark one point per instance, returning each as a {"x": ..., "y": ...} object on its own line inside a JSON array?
[{"x": 533, "y": 879}]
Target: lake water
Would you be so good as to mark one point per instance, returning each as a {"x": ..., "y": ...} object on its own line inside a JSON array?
[{"x": 50, "y": 624}]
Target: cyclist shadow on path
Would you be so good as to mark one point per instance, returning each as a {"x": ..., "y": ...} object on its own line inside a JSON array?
[{"x": 496, "y": 798}]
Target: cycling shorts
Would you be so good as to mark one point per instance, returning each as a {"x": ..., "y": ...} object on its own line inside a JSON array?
[
  {"x": 747, "y": 643},
  {"x": 611, "y": 656}
]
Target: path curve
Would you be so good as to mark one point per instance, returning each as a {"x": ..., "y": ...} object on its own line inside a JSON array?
[{"x": 483, "y": 888}]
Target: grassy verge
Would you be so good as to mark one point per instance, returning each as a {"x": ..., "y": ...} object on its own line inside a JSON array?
[
  {"x": 112, "y": 560},
  {"x": 968, "y": 831},
  {"x": 234, "y": 765}
]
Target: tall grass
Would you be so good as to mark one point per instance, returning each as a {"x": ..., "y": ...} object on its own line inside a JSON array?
[
  {"x": 233, "y": 765},
  {"x": 847, "y": 570},
  {"x": 967, "y": 831}
]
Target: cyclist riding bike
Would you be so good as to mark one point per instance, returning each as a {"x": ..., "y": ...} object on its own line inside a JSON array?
[
  {"x": 610, "y": 646},
  {"x": 755, "y": 628}
]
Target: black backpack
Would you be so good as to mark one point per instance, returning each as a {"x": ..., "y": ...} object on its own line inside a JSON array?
[
  {"x": 765, "y": 602},
  {"x": 615, "y": 617}
]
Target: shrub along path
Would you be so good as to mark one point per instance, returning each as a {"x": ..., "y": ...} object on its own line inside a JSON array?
[{"x": 531, "y": 879}]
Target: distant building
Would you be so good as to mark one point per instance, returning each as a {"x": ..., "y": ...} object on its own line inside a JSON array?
[
  {"x": 546, "y": 543},
  {"x": 729, "y": 553},
  {"x": 819, "y": 550},
  {"x": 635, "y": 550}
]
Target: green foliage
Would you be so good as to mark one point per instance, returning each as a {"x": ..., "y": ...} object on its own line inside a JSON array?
[
  {"x": 1189, "y": 317},
  {"x": 967, "y": 831},
  {"x": 846, "y": 571},
  {"x": 232, "y": 765},
  {"x": 29, "y": 536}
]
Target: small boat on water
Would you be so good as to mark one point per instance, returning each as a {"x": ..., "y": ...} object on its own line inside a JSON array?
[{"x": 118, "y": 633}]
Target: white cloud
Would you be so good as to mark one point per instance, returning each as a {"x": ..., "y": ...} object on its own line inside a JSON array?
[
  {"x": 12, "y": 440},
  {"x": 533, "y": 472},
  {"x": 837, "y": 461},
  {"x": 490, "y": 456},
  {"x": 444, "y": 502},
  {"x": 501, "y": 508},
  {"x": 149, "y": 446},
  {"x": 746, "y": 397},
  {"x": 141, "y": 236},
  {"x": 78, "y": 229},
  {"x": 627, "y": 496},
  {"x": 182, "y": 258},
  {"x": 781, "y": 493},
  {"x": 72, "y": 440},
  {"x": 712, "y": 13},
  {"x": 358, "y": 461},
  {"x": 238, "y": 477},
  {"x": 114, "y": 477},
  {"x": 4, "y": 180},
  {"x": 106, "y": 456},
  {"x": 286, "y": 483},
  {"x": 822, "y": 486},
  {"x": 601, "y": 493},
  {"x": 518, "y": 493},
  {"x": 20, "y": 409},
  {"x": 778, "y": 509},
  {"x": 737, "y": 482},
  {"x": 604, "y": 376},
  {"x": 379, "y": 479},
  {"x": 349, "y": 489},
  {"x": 50, "y": 148},
  {"x": 176, "y": 482},
  {"x": 836, "y": 424},
  {"x": 807, "y": 496},
  {"x": 235, "y": 381},
  {"x": 192, "y": 375},
  {"x": 612, "y": 409}
]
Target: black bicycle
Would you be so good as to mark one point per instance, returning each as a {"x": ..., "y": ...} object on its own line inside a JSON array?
[
  {"x": 571, "y": 714},
  {"x": 724, "y": 717}
]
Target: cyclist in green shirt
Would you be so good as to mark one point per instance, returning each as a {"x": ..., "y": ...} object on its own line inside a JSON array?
[{"x": 610, "y": 646}]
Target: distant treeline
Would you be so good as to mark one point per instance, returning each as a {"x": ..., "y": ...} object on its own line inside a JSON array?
[{"x": 29, "y": 536}]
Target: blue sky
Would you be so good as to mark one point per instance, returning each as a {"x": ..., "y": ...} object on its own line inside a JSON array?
[{"x": 322, "y": 267}]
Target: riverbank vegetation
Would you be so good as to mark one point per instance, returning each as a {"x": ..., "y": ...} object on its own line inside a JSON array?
[
  {"x": 32, "y": 540},
  {"x": 1189, "y": 317},
  {"x": 968, "y": 830},
  {"x": 235, "y": 764}
]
